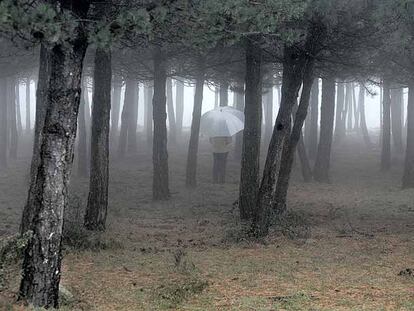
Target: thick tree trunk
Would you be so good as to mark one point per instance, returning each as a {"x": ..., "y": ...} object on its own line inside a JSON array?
[
  {"x": 14, "y": 136},
  {"x": 340, "y": 101},
  {"x": 148, "y": 92},
  {"x": 224, "y": 94},
  {"x": 408, "y": 176},
  {"x": 322, "y": 164},
  {"x": 82, "y": 138},
  {"x": 41, "y": 104},
  {"x": 96, "y": 210},
  {"x": 116, "y": 108},
  {"x": 293, "y": 67},
  {"x": 171, "y": 113},
  {"x": 363, "y": 124},
  {"x": 42, "y": 260},
  {"x": 239, "y": 106},
  {"x": 4, "y": 128},
  {"x": 179, "y": 104},
  {"x": 386, "y": 128},
  {"x": 28, "y": 107},
  {"x": 289, "y": 147},
  {"x": 396, "y": 117},
  {"x": 160, "y": 185},
  {"x": 312, "y": 141},
  {"x": 249, "y": 174},
  {"x": 268, "y": 112},
  {"x": 191, "y": 170}
]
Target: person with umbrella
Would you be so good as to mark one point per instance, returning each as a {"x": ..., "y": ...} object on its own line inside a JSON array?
[{"x": 220, "y": 125}]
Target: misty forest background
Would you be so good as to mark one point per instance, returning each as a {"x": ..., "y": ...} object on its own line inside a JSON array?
[{"x": 107, "y": 200}]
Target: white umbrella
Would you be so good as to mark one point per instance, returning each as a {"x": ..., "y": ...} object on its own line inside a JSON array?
[
  {"x": 236, "y": 112},
  {"x": 220, "y": 122}
]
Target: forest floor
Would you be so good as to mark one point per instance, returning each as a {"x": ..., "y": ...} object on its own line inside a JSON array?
[{"x": 341, "y": 248}]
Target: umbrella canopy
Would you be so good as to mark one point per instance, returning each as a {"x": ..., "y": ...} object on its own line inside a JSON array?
[
  {"x": 220, "y": 122},
  {"x": 236, "y": 112}
]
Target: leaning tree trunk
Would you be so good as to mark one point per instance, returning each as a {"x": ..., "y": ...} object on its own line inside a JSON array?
[
  {"x": 96, "y": 210},
  {"x": 179, "y": 105},
  {"x": 249, "y": 174},
  {"x": 28, "y": 108},
  {"x": 82, "y": 138},
  {"x": 171, "y": 113},
  {"x": 4, "y": 128},
  {"x": 408, "y": 176},
  {"x": 323, "y": 158},
  {"x": 293, "y": 66},
  {"x": 289, "y": 147},
  {"x": 340, "y": 101},
  {"x": 363, "y": 124},
  {"x": 41, "y": 104},
  {"x": 48, "y": 195},
  {"x": 396, "y": 117},
  {"x": 386, "y": 128},
  {"x": 116, "y": 108},
  {"x": 148, "y": 91},
  {"x": 312, "y": 141},
  {"x": 191, "y": 170},
  {"x": 14, "y": 136},
  {"x": 224, "y": 94},
  {"x": 160, "y": 184}
]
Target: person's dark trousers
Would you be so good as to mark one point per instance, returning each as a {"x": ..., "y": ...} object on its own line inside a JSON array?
[{"x": 219, "y": 167}]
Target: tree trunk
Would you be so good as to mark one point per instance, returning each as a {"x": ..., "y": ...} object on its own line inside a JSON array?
[
  {"x": 268, "y": 109},
  {"x": 171, "y": 114},
  {"x": 396, "y": 117},
  {"x": 340, "y": 101},
  {"x": 127, "y": 136},
  {"x": 289, "y": 147},
  {"x": 18, "y": 112},
  {"x": 292, "y": 77},
  {"x": 14, "y": 138},
  {"x": 304, "y": 160},
  {"x": 179, "y": 105},
  {"x": 116, "y": 108},
  {"x": 28, "y": 108},
  {"x": 82, "y": 138},
  {"x": 356, "y": 109},
  {"x": 408, "y": 176},
  {"x": 363, "y": 125},
  {"x": 42, "y": 260},
  {"x": 216, "y": 96},
  {"x": 239, "y": 106},
  {"x": 4, "y": 128},
  {"x": 386, "y": 128},
  {"x": 350, "y": 103},
  {"x": 314, "y": 118},
  {"x": 148, "y": 92},
  {"x": 224, "y": 94},
  {"x": 249, "y": 174},
  {"x": 41, "y": 104},
  {"x": 160, "y": 185},
  {"x": 96, "y": 210},
  {"x": 191, "y": 171},
  {"x": 322, "y": 164}
]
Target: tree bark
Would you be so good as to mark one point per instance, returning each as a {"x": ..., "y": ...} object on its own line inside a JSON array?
[
  {"x": 408, "y": 176},
  {"x": 4, "y": 128},
  {"x": 216, "y": 97},
  {"x": 14, "y": 136},
  {"x": 322, "y": 164},
  {"x": 224, "y": 94},
  {"x": 127, "y": 136},
  {"x": 356, "y": 109},
  {"x": 268, "y": 109},
  {"x": 160, "y": 185},
  {"x": 171, "y": 113},
  {"x": 340, "y": 101},
  {"x": 191, "y": 170},
  {"x": 148, "y": 92},
  {"x": 386, "y": 128},
  {"x": 42, "y": 260},
  {"x": 239, "y": 106},
  {"x": 28, "y": 107},
  {"x": 396, "y": 117},
  {"x": 293, "y": 66},
  {"x": 350, "y": 103},
  {"x": 314, "y": 118},
  {"x": 363, "y": 124},
  {"x": 179, "y": 103},
  {"x": 96, "y": 210},
  {"x": 82, "y": 138},
  {"x": 289, "y": 147},
  {"x": 116, "y": 108},
  {"x": 249, "y": 174},
  {"x": 18, "y": 110}
]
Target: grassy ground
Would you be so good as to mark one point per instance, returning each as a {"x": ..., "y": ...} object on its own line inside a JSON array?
[{"x": 342, "y": 247}]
